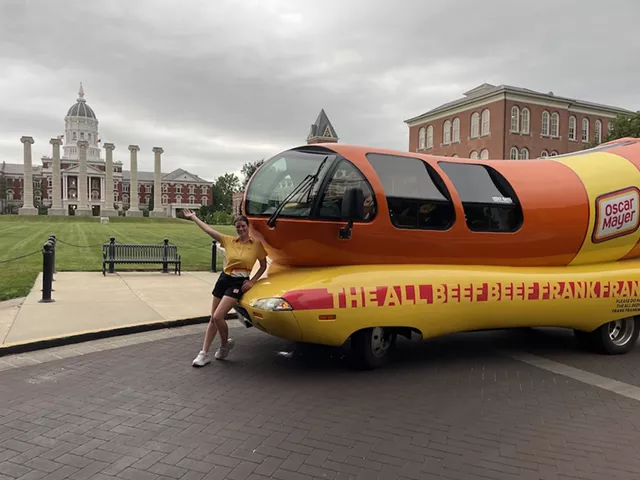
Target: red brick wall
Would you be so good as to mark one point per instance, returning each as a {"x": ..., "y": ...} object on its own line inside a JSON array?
[{"x": 493, "y": 142}]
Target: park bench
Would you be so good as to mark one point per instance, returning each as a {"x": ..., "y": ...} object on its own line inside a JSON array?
[{"x": 131, "y": 254}]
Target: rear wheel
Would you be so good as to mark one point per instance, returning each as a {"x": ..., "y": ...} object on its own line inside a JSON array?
[
  {"x": 371, "y": 346},
  {"x": 613, "y": 338}
]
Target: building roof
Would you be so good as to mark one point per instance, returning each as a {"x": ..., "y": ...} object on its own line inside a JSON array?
[
  {"x": 487, "y": 90},
  {"x": 322, "y": 127},
  {"x": 80, "y": 108}
]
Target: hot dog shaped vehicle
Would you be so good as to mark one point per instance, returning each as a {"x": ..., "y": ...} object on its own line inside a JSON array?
[{"x": 367, "y": 243}]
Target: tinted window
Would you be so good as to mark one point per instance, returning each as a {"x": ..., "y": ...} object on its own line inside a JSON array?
[
  {"x": 416, "y": 195},
  {"x": 346, "y": 175},
  {"x": 279, "y": 176},
  {"x": 489, "y": 202}
]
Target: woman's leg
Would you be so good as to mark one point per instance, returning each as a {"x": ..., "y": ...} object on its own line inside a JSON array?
[
  {"x": 226, "y": 304},
  {"x": 223, "y": 308},
  {"x": 212, "y": 328}
]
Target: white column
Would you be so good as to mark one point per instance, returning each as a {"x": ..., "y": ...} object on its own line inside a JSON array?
[
  {"x": 158, "y": 211},
  {"x": 65, "y": 193},
  {"x": 27, "y": 187},
  {"x": 56, "y": 203},
  {"x": 108, "y": 185},
  {"x": 134, "y": 210},
  {"x": 83, "y": 181}
]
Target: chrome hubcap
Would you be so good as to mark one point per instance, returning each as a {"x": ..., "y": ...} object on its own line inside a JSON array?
[
  {"x": 380, "y": 341},
  {"x": 620, "y": 331}
]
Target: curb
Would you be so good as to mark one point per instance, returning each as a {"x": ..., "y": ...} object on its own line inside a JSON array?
[{"x": 100, "y": 334}]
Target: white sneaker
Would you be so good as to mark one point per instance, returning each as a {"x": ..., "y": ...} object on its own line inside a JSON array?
[
  {"x": 223, "y": 352},
  {"x": 201, "y": 360}
]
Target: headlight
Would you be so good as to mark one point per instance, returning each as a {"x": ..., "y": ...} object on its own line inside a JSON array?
[{"x": 274, "y": 304}]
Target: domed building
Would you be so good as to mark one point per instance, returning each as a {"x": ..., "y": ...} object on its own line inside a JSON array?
[{"x": 180, "y": 189}]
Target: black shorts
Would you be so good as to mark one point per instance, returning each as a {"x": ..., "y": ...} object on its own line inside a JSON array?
[{"x": 228, "y": 286}]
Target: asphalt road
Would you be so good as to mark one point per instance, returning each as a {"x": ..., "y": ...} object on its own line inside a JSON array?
[{"x": 458, "y": 407}]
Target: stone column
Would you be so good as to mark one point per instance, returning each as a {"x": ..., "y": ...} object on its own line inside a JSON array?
[
  {"x": 158, "y": 211},
  {"x": 83, "y": 209},
  {"x": 27, "y": 188},
  {"x": 108, "y": 210},
  {"x": 56, "y": 203},
  {"x": 134, "y": 210}
]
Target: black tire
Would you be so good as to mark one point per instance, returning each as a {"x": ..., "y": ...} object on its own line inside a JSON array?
[
  {"x": 371, "y": 347},
  {"x": 612, "y": 338}
]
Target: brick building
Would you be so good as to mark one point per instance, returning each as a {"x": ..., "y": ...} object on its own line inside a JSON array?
[
  {"x": 180, "y": 188},
  {"x": 505, "y": 122}
]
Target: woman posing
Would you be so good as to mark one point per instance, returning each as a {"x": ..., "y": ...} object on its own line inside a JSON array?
[{"x": 241, "y": 252}]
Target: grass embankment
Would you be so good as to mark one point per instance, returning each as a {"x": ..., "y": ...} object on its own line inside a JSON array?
[{"x": 23, "y": 235}]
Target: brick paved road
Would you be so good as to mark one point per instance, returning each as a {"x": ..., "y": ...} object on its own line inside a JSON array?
[{"x": 454, "y": 408}]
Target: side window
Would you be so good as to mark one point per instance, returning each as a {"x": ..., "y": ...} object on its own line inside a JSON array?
[
  {"x": 490, "y": 203},
  {"x": 416, "y": 195},
  {"x": 345, "y": 176}
]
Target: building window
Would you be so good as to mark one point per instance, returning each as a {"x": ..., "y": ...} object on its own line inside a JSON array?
[
  {"x": 524, "y": 121},
  {"x": 572, "y": 127},
  {"x": 203, "y": 189},
  {"x": 585, "y": 129},
  {"x": 489, "y": 202},
  {"x": 178, "y": 198},
  {"x": 609, "y": 127},
  {"x": 544, "y": 154},
  {"x": 555, "y": 120},
  {"x": 192, "y": 189},
  {"x": 524, "y": 154},
  {"x": 484, "y": 154},
  {"x": 456, "y": 130},
  {"x": 473, "y": 155},
  {"x": 147, "y": 188},
  {"x": 165, "y": 188},
  {"x": 430, "y": 136},
  {"x": 486, "y": 122},
  {"x": 178, "y": 188},
  {"x": 416, "y": 195},
  {"x": 515, "y": 119},
  {"x": 165, "y": 199},
  {"x": 446, "y": 133},
  {"x": 125, "y": 187},
  {"x": 545, "y": 123},
  {"x": 598, "y": 131},
  {"x": 475, "y": 125},
  {"x": 204, "y": 200},
  {"x": 554, "y": 154},
  {"x": 9, "y": 195},
  {"x": 192, "y": 200},
  {"x": 81, "y": 135},
  {"x": 513, "y": 154},
  {"x": 125, "y": 199},
  {"x": 421, "y": 142},
  {"x": 115, "y": 196}
]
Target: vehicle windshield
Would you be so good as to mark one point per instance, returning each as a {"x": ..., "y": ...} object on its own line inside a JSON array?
[{"x": 279, "y": 176}]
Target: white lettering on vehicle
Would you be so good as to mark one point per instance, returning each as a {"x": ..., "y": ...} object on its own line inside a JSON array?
[{"x": 616, "y": 214}]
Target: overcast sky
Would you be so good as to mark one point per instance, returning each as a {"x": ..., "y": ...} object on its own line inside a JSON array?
[{"x": 217, "y": 83}]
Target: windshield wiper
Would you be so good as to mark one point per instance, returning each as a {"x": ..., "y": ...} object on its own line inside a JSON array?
[{"x": 307, "y": 181}]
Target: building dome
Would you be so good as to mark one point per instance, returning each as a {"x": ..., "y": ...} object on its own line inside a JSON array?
[{"x": 80, "y": 108}]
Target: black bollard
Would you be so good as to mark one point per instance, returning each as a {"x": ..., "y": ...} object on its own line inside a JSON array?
[
  {"x": 214, "y": 252},
  {"x": 47, "y": 272},
  {"x": 52, "y": 239},
  {"x": 112, "y": 253},
  {"x": 165, "y": 254}
]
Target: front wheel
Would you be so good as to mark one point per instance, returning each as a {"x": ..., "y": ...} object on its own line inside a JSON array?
[
  {"x": 613, "y": 338},
  {"x": 371, "y": 346}
]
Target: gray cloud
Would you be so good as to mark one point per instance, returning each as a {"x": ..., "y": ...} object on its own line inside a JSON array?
[{"x": 221, "y": 83}]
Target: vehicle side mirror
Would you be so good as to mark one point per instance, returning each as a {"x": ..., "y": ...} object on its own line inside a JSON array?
[{"x": 352, "y": 209}]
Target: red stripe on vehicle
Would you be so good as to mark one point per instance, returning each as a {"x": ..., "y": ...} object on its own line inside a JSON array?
[{"x": 312, "y": 299}]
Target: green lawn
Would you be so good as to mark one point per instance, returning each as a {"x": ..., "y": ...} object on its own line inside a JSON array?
[{"x": 23, "y": 235}]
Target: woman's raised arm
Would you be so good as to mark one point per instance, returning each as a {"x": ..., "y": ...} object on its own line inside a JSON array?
[{"x": 217, "y": 236}]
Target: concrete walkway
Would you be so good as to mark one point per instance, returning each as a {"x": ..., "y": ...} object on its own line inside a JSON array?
[{"x": 87, "y": 303}]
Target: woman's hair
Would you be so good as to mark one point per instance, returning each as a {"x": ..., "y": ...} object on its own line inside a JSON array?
[{"x": 240, "y": 218}]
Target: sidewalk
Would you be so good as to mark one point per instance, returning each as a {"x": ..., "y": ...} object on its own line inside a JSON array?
[{"x": 89, "y": 305}]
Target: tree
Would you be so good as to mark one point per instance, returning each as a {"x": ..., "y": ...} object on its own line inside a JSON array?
[
  {"x": 625, "y": 126},
  {"x": 248, "y": 169},
  {"x": 223, "y": 189}
]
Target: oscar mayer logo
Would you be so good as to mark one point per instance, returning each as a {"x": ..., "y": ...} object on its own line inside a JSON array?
[{"x": 616, "y": 214}]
